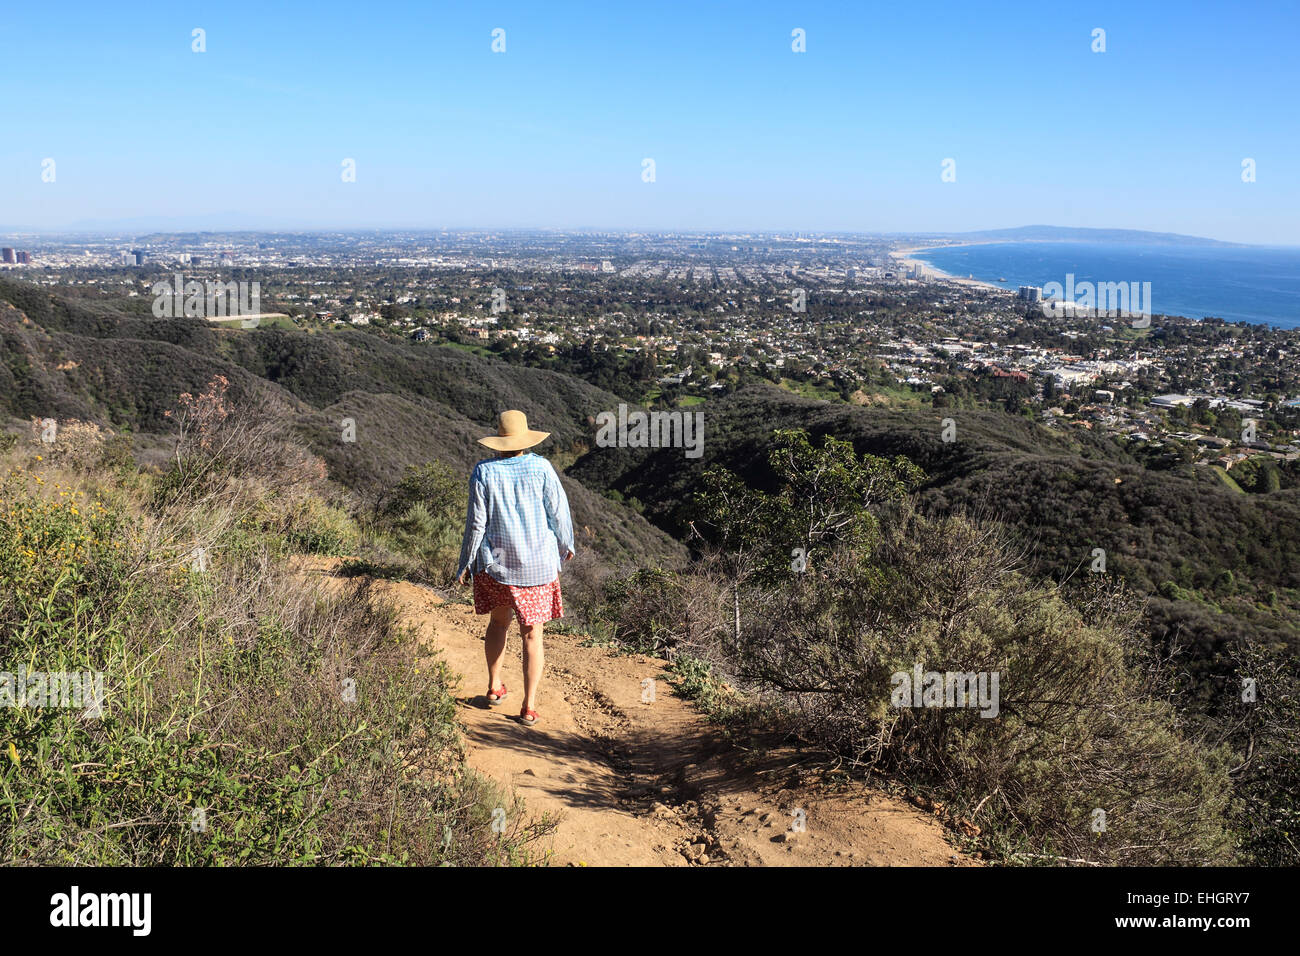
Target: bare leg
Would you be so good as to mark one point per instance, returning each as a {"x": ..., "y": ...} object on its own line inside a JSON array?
[
  {"x": 494, "y": 646},
  {"x": 534, "y": 659}
]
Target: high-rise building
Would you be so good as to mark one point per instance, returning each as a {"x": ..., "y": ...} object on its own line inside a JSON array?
[
  {"x": 24, "y": 258},
  {"x": 8, "y": 255},
  {"x": 1029, "y": 293}
]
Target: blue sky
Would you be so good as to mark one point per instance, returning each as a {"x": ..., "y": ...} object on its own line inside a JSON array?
[{"x": 745, "y": 133}]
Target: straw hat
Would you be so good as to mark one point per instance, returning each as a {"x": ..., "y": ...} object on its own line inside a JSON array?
[{"x": 513, "y": 433}]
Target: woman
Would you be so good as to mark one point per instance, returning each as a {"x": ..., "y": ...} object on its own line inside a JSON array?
[{"x": 517, "y": 533}]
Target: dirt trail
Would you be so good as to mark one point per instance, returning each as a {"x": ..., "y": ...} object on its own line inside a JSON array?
[{"x": 646, "y": 783}]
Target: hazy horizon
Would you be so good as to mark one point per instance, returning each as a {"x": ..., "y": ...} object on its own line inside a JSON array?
[{"x": 976, "y": 235}]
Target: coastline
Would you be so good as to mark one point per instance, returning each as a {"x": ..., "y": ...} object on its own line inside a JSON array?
[
  {"x": 904, "y": 257},
  {"x": 1279, "y": 309}
]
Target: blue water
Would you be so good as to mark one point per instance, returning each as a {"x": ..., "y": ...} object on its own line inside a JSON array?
[{"x": 1240, "y": 284}]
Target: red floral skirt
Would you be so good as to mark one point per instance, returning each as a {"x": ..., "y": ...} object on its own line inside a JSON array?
[{"x": 532, "y": 605}]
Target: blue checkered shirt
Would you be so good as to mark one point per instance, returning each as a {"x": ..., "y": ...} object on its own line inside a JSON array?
[{"x": 517, "y": 526}]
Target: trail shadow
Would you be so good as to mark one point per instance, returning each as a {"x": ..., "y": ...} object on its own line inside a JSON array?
[{"x": 566, "y": 766}]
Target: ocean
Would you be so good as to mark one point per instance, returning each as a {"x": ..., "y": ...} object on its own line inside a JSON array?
[{"x": 1240, "y": 284}]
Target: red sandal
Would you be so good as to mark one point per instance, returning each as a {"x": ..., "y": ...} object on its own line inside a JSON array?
[
  {"x": 528, "y": 716},
  {"x": 497, "y": 696}
]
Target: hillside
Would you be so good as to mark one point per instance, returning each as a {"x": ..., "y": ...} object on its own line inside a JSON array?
[
  {"x": 64, "y": 358},
  {"x": 1216, "y": 565},
  {"x": 921, "y": 553}
]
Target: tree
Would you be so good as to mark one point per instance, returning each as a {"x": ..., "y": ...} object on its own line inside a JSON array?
[
  {"x": 432, "y": 486},
  {"x": 824, "y": 498}
]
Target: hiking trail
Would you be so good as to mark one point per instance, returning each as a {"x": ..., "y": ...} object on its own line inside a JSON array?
[{"x": 636, "y": 783}]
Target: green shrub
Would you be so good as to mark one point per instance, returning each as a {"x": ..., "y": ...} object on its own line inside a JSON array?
[
  {"x": 1263, "y": 722},
  {"x": 432, "y": 486},
  {"x": 318, "y": 528},
  {"x": 655, "y": 611},
  {"x": 419, "y": 523},
  {"x": 1081, "y": 721},
  {"x": 245, "y": 719}
]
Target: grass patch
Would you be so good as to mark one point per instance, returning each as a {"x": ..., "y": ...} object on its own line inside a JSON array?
[
  {"x": 229, "y": 713},
  {"x": 1227, "y": 479}
]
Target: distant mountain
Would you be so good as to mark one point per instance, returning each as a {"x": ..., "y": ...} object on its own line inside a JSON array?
[{"x": 1075, "y": 234}]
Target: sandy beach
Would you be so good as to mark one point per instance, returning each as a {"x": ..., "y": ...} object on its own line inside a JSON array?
[{"x": 904, "y": 257}]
